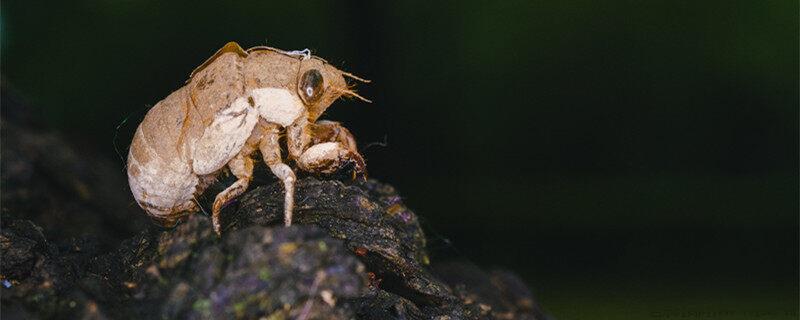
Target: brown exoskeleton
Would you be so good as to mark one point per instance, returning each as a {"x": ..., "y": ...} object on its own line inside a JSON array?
[{"x": 235, "y": 103}]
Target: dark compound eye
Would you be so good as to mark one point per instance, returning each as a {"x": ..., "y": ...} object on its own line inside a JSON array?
[{"x": 311, "y": 86}]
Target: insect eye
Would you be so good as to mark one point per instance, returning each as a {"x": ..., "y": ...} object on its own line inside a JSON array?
[{"x": 311, "y": 86}]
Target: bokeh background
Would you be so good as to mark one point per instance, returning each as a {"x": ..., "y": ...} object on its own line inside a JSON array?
[{"x": 629, "y": 159}]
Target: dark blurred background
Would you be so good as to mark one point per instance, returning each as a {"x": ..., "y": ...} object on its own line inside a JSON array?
[{"x": 630, "y": 159}]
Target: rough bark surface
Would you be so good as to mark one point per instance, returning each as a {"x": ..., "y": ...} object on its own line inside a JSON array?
[{"x": 355, "y": 250}]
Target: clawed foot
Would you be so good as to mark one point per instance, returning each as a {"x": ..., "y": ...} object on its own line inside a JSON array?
[{"x": 353, "y": 168}]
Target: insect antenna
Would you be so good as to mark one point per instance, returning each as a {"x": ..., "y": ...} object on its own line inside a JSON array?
[
  {"x": 354, "y": 77},
  {"x": 351, "y": 94}
]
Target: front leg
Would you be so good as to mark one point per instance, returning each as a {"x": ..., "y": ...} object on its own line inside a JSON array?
[
  {"x": 332, "y": 131},
  {"x": 298, "y": 137},
  {"x": 333, "y": 148}
]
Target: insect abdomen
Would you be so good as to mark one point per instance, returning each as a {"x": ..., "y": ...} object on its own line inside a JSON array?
[{"x": 159, "y": 173}]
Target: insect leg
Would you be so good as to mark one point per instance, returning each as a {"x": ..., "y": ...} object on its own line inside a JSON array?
[
  {"x": 332, "y": 131},
  {"x": 334, "y": 147},
  {"x": 271, "y": 151},
  {"x": 298, "y": 137},
  {"x": 242, "y": 167}
]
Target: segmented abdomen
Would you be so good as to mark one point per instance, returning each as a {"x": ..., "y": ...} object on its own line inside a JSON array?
[{"x": 159, "y": 172}]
